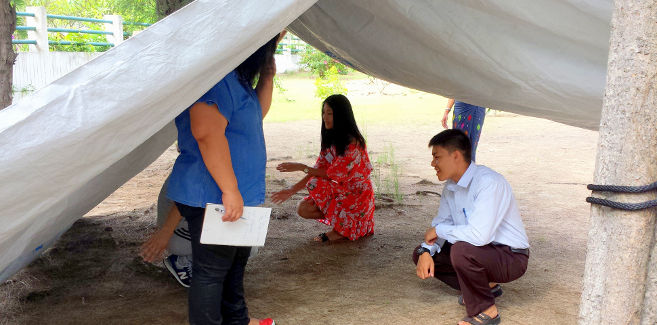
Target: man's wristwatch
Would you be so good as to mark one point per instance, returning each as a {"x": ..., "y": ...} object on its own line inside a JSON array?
[
  {"x": 306, "y": 170},
  {"x": 421, "y": 250}
]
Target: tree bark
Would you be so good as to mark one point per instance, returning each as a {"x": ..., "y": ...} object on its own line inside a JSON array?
[
  {"x": 7, "y": 55},
  {"x": 620, "y": 242},
  {"x": 166, "y": 7}
]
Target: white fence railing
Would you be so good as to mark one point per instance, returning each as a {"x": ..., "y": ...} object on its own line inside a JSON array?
[{"x": 39, "y": 66}]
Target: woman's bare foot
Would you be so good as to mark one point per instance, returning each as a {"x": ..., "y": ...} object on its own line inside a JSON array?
[{"x": 331, "y": 235}]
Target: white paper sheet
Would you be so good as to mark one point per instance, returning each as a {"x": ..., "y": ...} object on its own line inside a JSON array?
[{"x": 249, "y": 230}]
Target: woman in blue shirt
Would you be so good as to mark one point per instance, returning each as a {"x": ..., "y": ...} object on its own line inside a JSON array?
[{"x": 222, "y": 160}]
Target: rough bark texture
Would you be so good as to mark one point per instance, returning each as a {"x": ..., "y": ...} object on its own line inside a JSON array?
[
  {"x": 166, "y": 7},
  {"x": 7, "y": 55},
  {"x": 649, "y": 312},
  {"x": 619, "y": 278}
]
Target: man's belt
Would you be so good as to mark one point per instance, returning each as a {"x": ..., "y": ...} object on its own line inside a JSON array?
[{"x": 524, "y": 251}]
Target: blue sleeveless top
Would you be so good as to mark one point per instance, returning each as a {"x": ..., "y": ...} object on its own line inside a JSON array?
[{"x": 190, "y": 182}]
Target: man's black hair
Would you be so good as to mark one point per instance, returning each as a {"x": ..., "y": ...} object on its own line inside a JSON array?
[{"x": 451, "y": 140}]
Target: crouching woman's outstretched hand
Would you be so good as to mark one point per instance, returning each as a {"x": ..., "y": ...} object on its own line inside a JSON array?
[
  {"x": 291, "y": 167},
  {"x": 282, "y": 196}
]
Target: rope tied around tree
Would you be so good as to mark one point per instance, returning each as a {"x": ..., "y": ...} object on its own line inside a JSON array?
[{"x": 622, "y": 189}]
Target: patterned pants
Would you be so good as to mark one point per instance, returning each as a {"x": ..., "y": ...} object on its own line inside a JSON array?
[{"x": 469, "y": 119}]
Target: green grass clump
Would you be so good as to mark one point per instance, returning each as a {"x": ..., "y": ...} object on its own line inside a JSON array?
[{"x": 386, "y": 175}]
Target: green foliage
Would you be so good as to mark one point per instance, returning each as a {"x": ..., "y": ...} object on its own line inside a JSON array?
[
  {"x": 329, "y": 84},
  {"x": 20, "y": 21},
  {"x": 279, "y": 85},
  {"x": 327, "y": 70},
  {"x": 165, "y": 8},
  {"x": 281, "y": 90},
  {"x": 130, "y": 10},
  {"x": 386, "y": 175},
  {"x": 319, "y": 63},
  {"x": 81, "y": 39},
  {"x": 142, "y": 11},
  {"x": 17, "y": 4},
  {"x": 24, "y": 91}
]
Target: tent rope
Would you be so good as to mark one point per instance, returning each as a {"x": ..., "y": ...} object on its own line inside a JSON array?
[{"x": 622, "y": 189}]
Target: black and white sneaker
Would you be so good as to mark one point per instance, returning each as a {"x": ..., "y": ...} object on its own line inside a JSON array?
[{"x": 181, "y": 269}]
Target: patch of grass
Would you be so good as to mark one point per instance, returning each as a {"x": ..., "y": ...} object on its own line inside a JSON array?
[
  {"x": 297, "y": 102},
  {"x": 386, "y": 175}
]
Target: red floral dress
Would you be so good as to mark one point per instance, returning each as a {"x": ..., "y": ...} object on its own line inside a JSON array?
[{"x": 346, "y": 196}]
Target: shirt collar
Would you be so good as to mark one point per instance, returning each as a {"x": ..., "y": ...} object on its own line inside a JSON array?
[{"x": 465, "y": 180}]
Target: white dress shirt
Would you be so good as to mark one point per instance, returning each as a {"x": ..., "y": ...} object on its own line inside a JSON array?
[{"x": 480, "y": 209}]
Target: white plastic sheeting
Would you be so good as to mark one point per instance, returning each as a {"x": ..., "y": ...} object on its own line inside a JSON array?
[
  {"x": 542, "y": 58},
  {"x": 71, "y": 144}
]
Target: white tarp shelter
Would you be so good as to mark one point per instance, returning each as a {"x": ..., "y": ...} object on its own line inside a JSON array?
[{"x": 71, "y": 144}]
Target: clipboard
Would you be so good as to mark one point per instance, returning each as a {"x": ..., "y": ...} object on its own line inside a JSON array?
[{"x": 249, "y": 230}]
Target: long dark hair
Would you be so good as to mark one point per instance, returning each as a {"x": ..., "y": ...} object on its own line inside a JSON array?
[
  {"x": 249, "y": 69},
  {"x": 344, "y": 125}
]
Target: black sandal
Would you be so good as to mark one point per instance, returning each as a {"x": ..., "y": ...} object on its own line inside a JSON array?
[
  {"x": 496, "y": 291},
  {"x": 323, "y": 237},
  {"x": 483, "y": 319}
]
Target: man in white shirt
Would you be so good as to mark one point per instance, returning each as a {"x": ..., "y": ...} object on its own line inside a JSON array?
[{"x": 477, "y": 239}]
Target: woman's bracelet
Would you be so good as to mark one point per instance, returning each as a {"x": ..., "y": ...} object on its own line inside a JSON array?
[{"x": 448, "y": 109}]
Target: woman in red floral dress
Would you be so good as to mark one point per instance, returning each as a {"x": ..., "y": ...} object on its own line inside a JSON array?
[{"x": 339, "y": 186}]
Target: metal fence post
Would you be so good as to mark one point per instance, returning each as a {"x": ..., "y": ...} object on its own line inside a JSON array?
[
  {"x": 41, "y": 34},
  {"x": 116, "y": 27}
]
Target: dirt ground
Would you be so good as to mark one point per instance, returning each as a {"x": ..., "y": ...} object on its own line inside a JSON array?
[{"x": 94, "y": 276}]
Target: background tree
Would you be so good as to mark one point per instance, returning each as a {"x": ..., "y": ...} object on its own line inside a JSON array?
[
  {"x": 319, "y": 63},
  {"x": 327, "y": 71},
  {"x": 166, "y": 7},
  {"x": 7, "y": 55},
  {"x": 620, "y": 278}
]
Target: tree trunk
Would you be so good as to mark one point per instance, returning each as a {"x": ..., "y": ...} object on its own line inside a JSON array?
[
  {"x": 7, "y": 55},
  {"x": 620, "y": 242},
  {"x": 166, "y": 7}
]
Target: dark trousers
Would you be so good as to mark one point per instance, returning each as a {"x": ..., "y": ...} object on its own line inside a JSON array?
[
  {"x": 470, "y": 268},
  {"x": 216, "y": 295}
]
